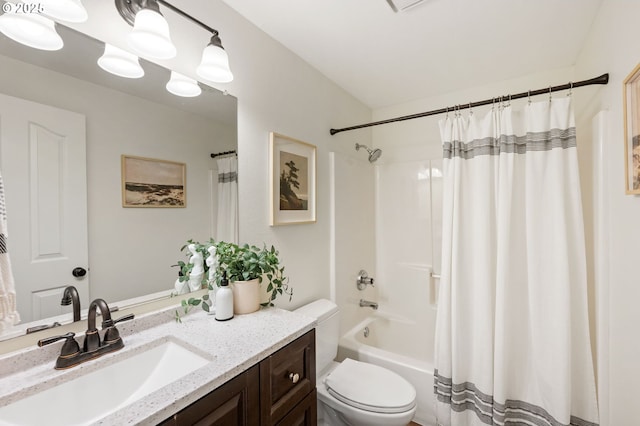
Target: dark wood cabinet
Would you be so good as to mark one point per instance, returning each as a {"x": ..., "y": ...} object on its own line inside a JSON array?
[
  {"x": 236, "y": 403},
  {"x": 286, "y": 378},
  {"x": 280, "y": 390}
]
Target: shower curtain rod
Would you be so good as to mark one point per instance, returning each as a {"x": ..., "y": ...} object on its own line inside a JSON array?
[
  {"x": 218, "y": 154},
  {"x": 603, "y": 79}
]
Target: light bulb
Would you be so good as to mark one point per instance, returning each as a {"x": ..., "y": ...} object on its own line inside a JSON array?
[
  {"x": 31, "y": 29},
  {"x": 150, "y": 36},
  {"x": 120, "y": 62},
  {"x": 215, "y": 64},
  {"x": 181, "y": 85}
]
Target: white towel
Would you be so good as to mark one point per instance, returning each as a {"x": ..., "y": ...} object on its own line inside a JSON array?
[{"x": 8, "y": 312}]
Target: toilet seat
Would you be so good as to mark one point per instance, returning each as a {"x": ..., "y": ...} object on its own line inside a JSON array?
[{"x": 370, "y": 388}]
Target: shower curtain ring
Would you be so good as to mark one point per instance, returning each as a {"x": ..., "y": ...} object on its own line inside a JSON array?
[
  {"x": 529, "y": 97},
  {"x": 570, "y": 88},
  {"x": 509, "y": 102},
  {"x": 549, "y": 93},
  {"x": 470, "y": 109}
]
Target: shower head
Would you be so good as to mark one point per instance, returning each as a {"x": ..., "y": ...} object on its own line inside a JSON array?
[{"x": 374, "y": 154}]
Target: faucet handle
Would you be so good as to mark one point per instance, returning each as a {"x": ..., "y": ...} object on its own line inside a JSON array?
[
  {"x": 363, "y": 280},
  {"x": 70, "y": 346},
  {"x": 112, "y": 334}
]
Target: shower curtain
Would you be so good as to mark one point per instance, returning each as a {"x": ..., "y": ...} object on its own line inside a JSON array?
[
  {"x": 512, "y": 334},
  {"x": 227, "y": 223},
  {"x": 8, "y": 311}
]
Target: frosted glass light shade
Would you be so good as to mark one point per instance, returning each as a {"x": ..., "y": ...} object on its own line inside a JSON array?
[
  {"x": 215, "y": 65},
  {"x": 65, "y": 10},
  {"x": 150, "y": 36},
  {"x": 181, "y": 85},
  {"x": 120, "y": 62},
  {"x": 31, "y": 29}
]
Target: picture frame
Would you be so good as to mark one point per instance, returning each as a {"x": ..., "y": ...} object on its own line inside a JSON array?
[
  {"x": 151, "y": 182},
  {"x": 292, "y": 169},
  {"x": 631, "y": 105}
]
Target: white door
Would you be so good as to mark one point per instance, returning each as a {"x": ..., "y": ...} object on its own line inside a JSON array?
[{"x": 43, "y": 163}]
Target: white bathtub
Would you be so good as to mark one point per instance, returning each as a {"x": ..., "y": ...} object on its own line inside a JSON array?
[{"x": 401, "y": 346}]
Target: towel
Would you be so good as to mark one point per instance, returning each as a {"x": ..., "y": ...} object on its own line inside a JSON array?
[{"x": 8, "y": 312}]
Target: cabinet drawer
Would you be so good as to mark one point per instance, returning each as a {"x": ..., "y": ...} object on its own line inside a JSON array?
[
  {"x": 287, "y": 377},
  {"x": 303, "y": 414},
  {"x": 233, "y": 404}
]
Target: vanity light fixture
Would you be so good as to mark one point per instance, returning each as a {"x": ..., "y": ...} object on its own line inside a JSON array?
[
  {"x": 181, "y": 85},
  {"x": 31, "y": 29},
  {"x": 64, "y": 10},
  {"x": 150, "y": 37},
  {"x": 215, "y": 62},
  {"x": 120, "y": 62}
]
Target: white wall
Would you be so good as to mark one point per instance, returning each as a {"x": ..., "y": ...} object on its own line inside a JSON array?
[
  {"x": 611, "y": 47},
  {"x": 276, "y": 91},
  {"x": 130, "y": 250}
]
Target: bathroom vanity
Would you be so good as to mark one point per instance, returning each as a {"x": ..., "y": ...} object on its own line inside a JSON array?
[
  {"x": 281, "y": 389},
  {"x": 258, "y": 369}
]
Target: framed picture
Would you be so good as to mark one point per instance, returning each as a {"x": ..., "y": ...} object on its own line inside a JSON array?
[
  {"x": 631, "y": 97},
  {"x": 149, "y": 182},
  {"x": 292, "y": 167}
]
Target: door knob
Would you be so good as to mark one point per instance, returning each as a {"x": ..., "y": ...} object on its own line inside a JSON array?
[{"x": 79, "y": 272}]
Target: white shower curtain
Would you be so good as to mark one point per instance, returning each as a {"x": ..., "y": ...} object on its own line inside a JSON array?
[
  {"x": 227, "y": 222},
  {"x": 512, "y": 334},
  {"x": 8, "y": 312}
]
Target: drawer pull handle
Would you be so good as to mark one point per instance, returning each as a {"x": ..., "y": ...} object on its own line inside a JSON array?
[{"x": 294, "y": 377}]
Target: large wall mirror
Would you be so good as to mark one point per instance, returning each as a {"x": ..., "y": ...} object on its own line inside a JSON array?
[{"x": 130, "y": 250}]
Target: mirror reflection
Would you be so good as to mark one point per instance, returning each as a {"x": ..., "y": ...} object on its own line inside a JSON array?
[{"x": 65, "y": 125}]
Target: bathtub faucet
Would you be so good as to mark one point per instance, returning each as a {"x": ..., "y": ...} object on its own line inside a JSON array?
[{"x": 367, "y": 304}]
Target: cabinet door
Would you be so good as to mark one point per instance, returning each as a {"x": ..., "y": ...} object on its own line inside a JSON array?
[
  {"x": 236, "y": 403},
  {"x": 286, "y": 378},
  {"x": 303, "y": 414}
]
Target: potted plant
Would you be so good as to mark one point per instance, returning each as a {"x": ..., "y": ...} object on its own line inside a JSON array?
[{"x": 245, "y": 266}]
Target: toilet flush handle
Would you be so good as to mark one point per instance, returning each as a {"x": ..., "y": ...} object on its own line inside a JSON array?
[{"x": 294, "y": 377}]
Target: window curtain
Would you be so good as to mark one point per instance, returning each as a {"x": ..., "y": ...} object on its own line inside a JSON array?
[
  {"x": 8, "y": 311},
  {"x": 512, "y": 333},
  {"x": 227, "y": 220}
]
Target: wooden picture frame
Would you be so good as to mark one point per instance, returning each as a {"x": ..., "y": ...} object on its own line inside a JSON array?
[
  {"x": 150, "y": 182},
  {"x": 631, "y": 104},
  {"x": 292, "y": 170}
]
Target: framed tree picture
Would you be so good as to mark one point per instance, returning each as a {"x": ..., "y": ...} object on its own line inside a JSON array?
[
  {"x": 292, "y": 168},
  {"x": 149, "y": 182},
  {"x": 631, "y": 95}
]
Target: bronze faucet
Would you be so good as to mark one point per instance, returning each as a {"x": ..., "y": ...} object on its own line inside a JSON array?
[
  {"x": 71, "y": 296},
  {"x": 93, "y": 346}
]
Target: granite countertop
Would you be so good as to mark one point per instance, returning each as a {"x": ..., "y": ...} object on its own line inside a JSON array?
[{"x": 232, "y": 346}]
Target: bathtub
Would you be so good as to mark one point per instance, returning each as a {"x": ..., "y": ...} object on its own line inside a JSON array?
[{"x": 401, "y": 346}]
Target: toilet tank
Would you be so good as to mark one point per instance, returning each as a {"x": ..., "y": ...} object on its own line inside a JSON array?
[{"x": 327, "y": 330}]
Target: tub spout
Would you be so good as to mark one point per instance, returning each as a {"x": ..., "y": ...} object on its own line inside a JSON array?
[{"x": 368, "y": 304}]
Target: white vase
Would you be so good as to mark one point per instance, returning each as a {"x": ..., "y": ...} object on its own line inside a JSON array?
[{"x": 246, "y": 296}]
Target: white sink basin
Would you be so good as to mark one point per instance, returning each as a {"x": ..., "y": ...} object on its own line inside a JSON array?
[{"x": 96, "y": 394}]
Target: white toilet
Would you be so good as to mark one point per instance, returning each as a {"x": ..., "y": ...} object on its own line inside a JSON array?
[{"x": 350, "y": 392}]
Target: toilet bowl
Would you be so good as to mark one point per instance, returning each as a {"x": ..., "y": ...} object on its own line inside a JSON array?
[{"x": 354, "y": 393}]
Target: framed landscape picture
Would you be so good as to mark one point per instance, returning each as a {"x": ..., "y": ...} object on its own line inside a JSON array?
[
  {"x": 292, "y": 168},
  {"x": 631, "y": 95},
  {"x": 149, "y": 182}
]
